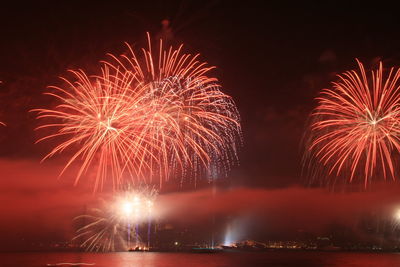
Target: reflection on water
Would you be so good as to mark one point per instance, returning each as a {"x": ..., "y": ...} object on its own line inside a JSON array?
[{"x": 150, "y": 259}]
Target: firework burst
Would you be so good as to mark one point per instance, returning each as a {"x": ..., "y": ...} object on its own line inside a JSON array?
[
  {"x": 355, "y": 127},
  {"x": 103, "y": 230},
  {"x": 192, "y": 123},
  {"x": 112, "y": 226},
  {"x": 157, "y": 115},
  {"x": 97, "y": 118}
]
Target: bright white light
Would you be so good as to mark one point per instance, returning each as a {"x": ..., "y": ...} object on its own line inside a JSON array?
[
  {"x": 397, "y": 215},
  {"x": 127, "y": 208},
  {"x": 228, "y": 236},
  {"x": 235, "y": 230},
  {"x": 136, "y": 200},
  {"x": 135, "y": 207}
]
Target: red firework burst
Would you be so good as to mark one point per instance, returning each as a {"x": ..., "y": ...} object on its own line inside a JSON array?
[
  {"x": 95, "y": 119},
  {"x": 194, "y": 125},
  {"x": 158, "y": 115},
  {"x": 356, "y": 125}
]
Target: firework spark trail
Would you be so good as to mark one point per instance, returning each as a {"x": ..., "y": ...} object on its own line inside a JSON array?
[
  {"x": 158, "y": 115},
  {"x": 107, "y": 228},
  {"x": 104, "y": 231},
  {"x": 96, "y": 117},
  {"x": 356, "y": 125},
  {"x": 195, "y": 126}
]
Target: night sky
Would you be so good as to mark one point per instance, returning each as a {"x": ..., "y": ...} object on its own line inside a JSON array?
[{"x": 272, "y": 59}]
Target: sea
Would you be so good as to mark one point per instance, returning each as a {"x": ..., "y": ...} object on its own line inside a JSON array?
[{"x": 223, "y": 259}]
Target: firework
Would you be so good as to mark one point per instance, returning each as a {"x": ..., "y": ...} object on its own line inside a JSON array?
[
  {"x": 192, "y": 123},
  {"x": 355, "y": 126},
  {"x": 96, "y": 118},
  {"x": 116, "y": 223},
  {"x": 137, "y": 203},
  {"x": 151, "y": 116},
  {"x": 103, "y": 231}
]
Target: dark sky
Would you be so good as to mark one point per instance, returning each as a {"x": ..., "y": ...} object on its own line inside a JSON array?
[
  {"x": 272, "y": 59},
  {"x": 269, "y": 58}
]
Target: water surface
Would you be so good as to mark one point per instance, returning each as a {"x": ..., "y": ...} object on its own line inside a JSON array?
[{"x": 223, "y": 259}]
